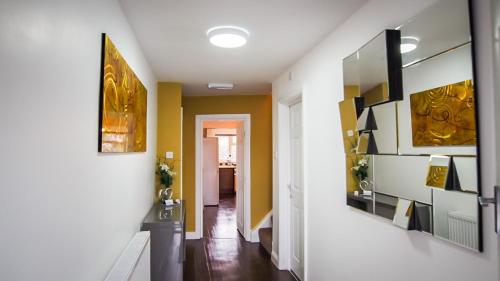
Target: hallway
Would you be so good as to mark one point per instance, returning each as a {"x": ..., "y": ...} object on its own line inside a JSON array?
[{"x": 223, "y": 254}]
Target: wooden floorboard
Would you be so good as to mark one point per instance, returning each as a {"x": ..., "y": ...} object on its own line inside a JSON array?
[{"x": 224, "y": 255}]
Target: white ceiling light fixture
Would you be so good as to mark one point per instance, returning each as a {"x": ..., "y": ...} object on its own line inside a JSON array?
[
  {"x": 408, "y": 44},
  {"x": 227, "y": 36},
  {"x": 221, "y": 86}
]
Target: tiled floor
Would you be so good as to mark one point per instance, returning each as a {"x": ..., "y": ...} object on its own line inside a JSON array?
[{"x": 224, "y": 255}]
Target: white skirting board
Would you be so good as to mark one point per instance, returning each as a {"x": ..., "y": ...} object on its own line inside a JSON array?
[
  {"x": 134, "y": 262},
  {"x": 274, "y": 259},
  {"x": 265, "y": 222}
]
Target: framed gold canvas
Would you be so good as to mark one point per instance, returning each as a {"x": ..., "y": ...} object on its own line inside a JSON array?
[
  {"x": 437, "y": 175},
  {"x": 123, "y": 104},
  {"x": 444, "y": 116}
]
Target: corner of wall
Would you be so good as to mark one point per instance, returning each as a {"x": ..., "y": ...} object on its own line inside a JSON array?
[{"x": 169, "y": 132}]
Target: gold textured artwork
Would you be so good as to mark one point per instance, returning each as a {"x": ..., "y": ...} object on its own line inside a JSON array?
[
  {"x": 436, "y": 177},
  {"x": 444, "y": 116},
  {"x": 123, "y": 104}
]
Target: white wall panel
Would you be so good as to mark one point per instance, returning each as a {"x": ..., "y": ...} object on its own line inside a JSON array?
[
  {"x": 467, "y": 172},
  {"x": 67, "y": 211},
  {"x": 402, "y": 176}
]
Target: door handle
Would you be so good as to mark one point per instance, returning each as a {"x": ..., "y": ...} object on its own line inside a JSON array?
[{"x": 485, "y": 202}]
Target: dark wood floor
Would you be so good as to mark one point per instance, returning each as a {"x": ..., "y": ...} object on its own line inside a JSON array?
[{"x": 224, "y": 255}]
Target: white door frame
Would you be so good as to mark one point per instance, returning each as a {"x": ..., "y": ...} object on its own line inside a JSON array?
[
  {"x": 198, "y": 166},
  {"x": 282, "y": 260}
]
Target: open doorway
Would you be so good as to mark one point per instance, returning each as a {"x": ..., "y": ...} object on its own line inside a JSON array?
[
  {"x": 221, "y": 160},
  {"x": 222, "y": 176}
]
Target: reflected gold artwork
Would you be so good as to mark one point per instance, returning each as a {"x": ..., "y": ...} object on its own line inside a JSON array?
[
  {"x": 123, "y": 104},
  {"x": 436, "y": 176},
  {"x": 444, "y": 116}
]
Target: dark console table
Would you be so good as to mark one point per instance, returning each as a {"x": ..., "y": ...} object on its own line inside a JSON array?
[{"x": 168, "y": 234}]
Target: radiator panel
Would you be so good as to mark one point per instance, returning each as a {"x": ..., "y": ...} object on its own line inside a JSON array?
[{"x": 463, "y": 229}]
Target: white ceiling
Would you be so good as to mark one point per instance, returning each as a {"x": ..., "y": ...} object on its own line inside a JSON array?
[{"x": 172, "y": 35}]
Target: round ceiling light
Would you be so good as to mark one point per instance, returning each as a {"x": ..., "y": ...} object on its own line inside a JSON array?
[
  {"x": 408, "y": 44},
  {"x": 226, "y": 36}
]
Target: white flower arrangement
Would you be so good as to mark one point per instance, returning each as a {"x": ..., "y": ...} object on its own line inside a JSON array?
[
  {"x": 361, "y": 169},
  {"x": 165, "y": 172},
  {"x": 165, "y": 168}
]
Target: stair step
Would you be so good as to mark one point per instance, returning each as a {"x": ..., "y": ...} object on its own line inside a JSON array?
[{"x": 266, "y": 238}]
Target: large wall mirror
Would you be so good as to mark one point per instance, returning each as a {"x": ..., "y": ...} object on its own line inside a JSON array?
[{"x": 410, "y": 128}]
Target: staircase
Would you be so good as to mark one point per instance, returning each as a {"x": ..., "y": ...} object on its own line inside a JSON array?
[{"x": 266, "y": 238}]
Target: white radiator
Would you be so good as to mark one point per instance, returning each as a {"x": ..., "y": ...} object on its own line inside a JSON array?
[
  {"x": 134, "y": 262},
  {"x": 463, "y": 229}
]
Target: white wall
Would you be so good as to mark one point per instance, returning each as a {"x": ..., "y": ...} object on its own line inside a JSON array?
[
  {"x": 66, "y": 211},
  {"x": 345, "y": 244},
  {"x": 496, "y": 62},
  {"x": 409, "y": 182}
]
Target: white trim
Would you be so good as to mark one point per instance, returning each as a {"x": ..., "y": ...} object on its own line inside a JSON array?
[
  {"x": 274, "y": 258},
  {"x": 283, "y": 174},
  {"x": 246, "y": 184},
  {"x": 291, "y": 100},
  {"x": 265, "y": 222},
  {"x": 192, "y": 236},
  {"x": 181, "y": 155},
  {"x": 305, "y": 180},
  {"x": 283, "y": 182}
]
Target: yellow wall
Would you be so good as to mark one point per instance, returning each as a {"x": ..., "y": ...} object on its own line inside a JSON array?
[
  {"x": 169, "y": 127},
  {"x": 351, "y": 91},
  {"x": 259, "y": 107}
]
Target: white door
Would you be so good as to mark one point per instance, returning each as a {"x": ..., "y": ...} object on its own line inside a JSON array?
[
  {"x": 239, "y": 181},
  {"x": 210, "y": 171},
  {"x": 296, "y": 193}
]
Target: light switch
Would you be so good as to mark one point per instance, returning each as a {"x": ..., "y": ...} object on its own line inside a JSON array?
[{"x": 169, "y": 155}]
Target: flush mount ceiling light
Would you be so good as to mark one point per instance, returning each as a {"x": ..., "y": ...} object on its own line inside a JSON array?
[
  {"x": 408, "y": 44},
  {"x": 226, "y": 36}
]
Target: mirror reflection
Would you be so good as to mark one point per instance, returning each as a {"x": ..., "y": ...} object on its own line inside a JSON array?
[
  {"x": 411, "y": 157},
  {"x": 373, "y": 75},
  {"x": 445, "y": 26}
]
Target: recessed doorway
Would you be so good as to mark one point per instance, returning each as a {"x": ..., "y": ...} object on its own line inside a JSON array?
[
  {"x": 223, "y": 175},
  {"x": 291, "y": 189}
]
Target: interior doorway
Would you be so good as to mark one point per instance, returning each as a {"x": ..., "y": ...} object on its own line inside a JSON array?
[
  {"x": 296, "y": 192},
  {"x": 222, "y": 175},
  {"x": 290, "y": 189}
]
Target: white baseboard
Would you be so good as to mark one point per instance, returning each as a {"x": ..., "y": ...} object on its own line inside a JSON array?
[
  {"x": 192, "y": 236},
  {"x": 265, "y": 222},
  {"x": 274, "y": 259}
]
